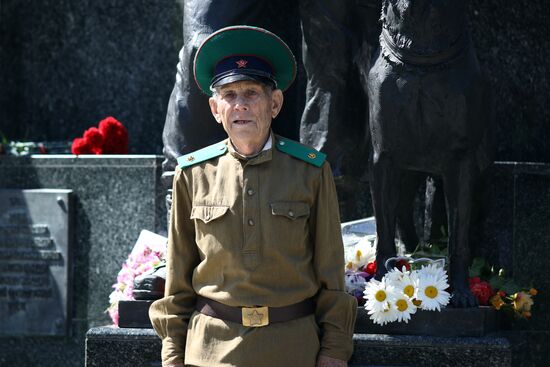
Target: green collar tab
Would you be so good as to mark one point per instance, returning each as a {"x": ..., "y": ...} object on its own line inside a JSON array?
[
  {"x": 300, "y": 151},
  {"x": 201, "y": 155}
]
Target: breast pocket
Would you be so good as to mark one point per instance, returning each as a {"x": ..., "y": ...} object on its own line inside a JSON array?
[
  {"x": 211, "y": 226},
  {"x": 291, "y": 210},
  {"x": 290, "y": 224},
  {"x": 207, "y": 213}
]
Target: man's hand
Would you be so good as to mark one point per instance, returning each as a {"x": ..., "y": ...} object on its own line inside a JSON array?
[{"x": 324, "y": 361}]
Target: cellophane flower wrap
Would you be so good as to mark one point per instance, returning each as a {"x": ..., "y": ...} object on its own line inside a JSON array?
[
  {"x": 148, "y": 252},
  {"x": 360, "y": 266}
]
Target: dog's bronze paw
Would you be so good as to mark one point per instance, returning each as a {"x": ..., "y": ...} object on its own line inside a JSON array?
[{"x": 463, "y": 298}]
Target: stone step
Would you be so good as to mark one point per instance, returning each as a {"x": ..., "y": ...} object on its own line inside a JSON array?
[{"x": 133, "y": 347}]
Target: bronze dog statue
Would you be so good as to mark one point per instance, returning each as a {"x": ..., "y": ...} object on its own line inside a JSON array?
[{"x": 430, "y": 111}]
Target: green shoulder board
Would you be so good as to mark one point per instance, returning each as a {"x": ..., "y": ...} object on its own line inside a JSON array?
[
  {"x": 301, "y": 151},
  {"x": 201, "y": 155}
]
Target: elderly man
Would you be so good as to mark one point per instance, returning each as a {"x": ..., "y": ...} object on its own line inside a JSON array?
[{"x": 255, "y": 257}]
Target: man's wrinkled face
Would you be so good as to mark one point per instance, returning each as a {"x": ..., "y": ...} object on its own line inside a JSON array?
[{"x": 245, "y": 109}]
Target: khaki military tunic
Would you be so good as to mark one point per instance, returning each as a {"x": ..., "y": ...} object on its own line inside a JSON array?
[{"x": 250, "y": 232}]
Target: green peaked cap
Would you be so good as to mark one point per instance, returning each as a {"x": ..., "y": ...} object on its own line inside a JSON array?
[
  {"x": 301, "y": 151},
  {"x": 244, "y": 40}
]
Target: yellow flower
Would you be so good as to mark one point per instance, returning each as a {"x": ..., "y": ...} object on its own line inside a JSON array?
[
  {"x": 378, "y": 295},
  {"x": 497, "y": 302},
  {"x": 522, "y": 301},
  {"x": 404, "y": 308},
  {"x": 533, "y": 292},
  {"x": 432, "y": 291}
]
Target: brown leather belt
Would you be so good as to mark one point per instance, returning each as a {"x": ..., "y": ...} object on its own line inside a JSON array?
[{"x": 254, "y": 316}]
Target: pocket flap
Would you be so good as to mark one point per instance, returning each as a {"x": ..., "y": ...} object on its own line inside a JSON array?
[
  {"x": 290, "y": 209},
  {"x": 208, "y": 213}
]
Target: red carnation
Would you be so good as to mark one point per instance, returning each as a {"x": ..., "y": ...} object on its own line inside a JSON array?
[
  {"x": 371, "y": 268},
  {"x": 482, "y": 291},
  {"x": 473, "y": 281},
  {"x": 95, "y": 139},
  {"x": 403, "y": 263},
  {"x": 81, "y": 146},
  {"x": 115, "y": 136}
]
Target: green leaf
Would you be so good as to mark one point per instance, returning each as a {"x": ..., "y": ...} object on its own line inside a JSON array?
[
  {"x": 425, "y": 250},
  {"x": 510, "y": 287},
  {"x": 3, "y": 139},
  {"x": 496, "y": 282},
  {"x": 477, "y": 267}
]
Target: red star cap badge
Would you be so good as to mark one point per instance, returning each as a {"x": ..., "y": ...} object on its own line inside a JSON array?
[{"x": 241, "y": 63}]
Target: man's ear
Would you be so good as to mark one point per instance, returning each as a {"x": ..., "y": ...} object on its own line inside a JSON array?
[
  {"x": 213, "y": 102},
  {"x": 276, "y": 102}
]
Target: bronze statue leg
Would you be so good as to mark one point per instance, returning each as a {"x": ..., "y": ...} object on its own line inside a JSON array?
[
  {"x": 385, "y": 180},
  {"x": 326, "y": 52},
  {"x": 459, "y": 180},
  {"x": 410, "y": 182}
]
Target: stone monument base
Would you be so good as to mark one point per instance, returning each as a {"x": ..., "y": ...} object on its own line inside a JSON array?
[
  {"x": 498, "y": 350},
  {"x": 451, "y": 322},
  {"x": 110, "y": 346},
  {"x": 128, "y": 347}
]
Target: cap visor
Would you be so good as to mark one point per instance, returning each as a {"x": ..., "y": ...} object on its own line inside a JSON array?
[{"x": 240, "y": 77}]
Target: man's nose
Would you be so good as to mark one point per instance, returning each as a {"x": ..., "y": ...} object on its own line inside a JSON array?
[{"x": 241, "y": 103}]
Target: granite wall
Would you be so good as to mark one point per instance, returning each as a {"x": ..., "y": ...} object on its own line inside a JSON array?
[
  {"x": 517, "y": 238},
  {"x": 115, "y": 198},
  {"x": 64, "y": 65},
  {"x": 512, "y": 49}
]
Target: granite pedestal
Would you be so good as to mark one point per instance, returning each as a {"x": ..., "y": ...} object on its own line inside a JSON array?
[
  {"x": 109, "y": 346},
  {"x": 451, "y": 337}
]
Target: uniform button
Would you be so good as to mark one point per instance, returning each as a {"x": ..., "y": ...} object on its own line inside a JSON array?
[
  {"x": 291, "y": 213},
  {"x": 250, "y": 222},
  {"x": 250, "y": 192},
  {"x": 207, "y": 216}
]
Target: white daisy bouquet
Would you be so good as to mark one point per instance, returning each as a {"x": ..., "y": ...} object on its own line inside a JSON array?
[{"x": 401, "y": 292}]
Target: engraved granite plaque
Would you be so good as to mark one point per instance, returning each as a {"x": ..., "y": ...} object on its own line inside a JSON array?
[{"x": 35, "y": 262}]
